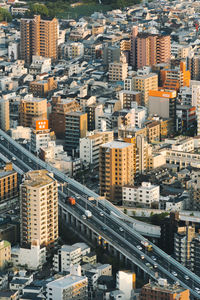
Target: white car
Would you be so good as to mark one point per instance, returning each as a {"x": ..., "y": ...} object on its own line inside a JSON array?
[
  {"x": 84, "y": 217},
  {"x": 139, "y": 247},
  {"x": 174, "y": 273},
  {"x": 121, "y": 229},
  {"x": 186, "y": 277},
  {"x": 101, "y": 214},
  {"x": 154, "y": 258}
]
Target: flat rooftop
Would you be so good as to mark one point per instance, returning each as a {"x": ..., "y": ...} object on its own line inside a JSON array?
[
  {"x": 66, "y": 282},
  {"x": 38, "y": 178},
  {"x": 116, "y": 145}
]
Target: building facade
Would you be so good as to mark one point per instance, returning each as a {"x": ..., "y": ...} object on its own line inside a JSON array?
[
  {"x": 38, "y": 37},
  {"x": 32, "y": 109},
  {"x": 75, "y": 129},
  {"x": 8, "y": 183},
  {"x": 39, "y": 209},
  {"x": 4, "y": 114},
  {"x": 116, "y": 168}
]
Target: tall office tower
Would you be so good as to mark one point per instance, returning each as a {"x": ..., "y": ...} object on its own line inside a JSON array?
[
  {"x": 39, "y": 208},
  {"x": 193, "y": 65},
  {"x": 4, "y": 115},
  {"x": 76, "y": 128},
  {"x": 145, "y": 83},
  {"x": 38, "y": 37},
  {"x": 117, "y": 167},
  {"x": 31, "y": 109}
]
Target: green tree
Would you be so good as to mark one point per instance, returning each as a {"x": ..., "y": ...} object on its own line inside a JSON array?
[
  {"x": 5, "y": 15},
  {"x": 39, "y": 9}
]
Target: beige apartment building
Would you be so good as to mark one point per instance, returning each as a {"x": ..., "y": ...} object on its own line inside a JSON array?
[
  {"x": 5, "y": 253},
  {"x": 39, "y": 209},
  {"x": 38, "y": 37},
  {"x": 116, "y": 168},
  {"x": 89, "y": 147},
  {"x": 8, "y": 183},
  {"x": 31, "y": 109},
  {"x": 145, "y": 83},
  {"x": 4, "y": 115},
  {"x": 118, "y": 71}
]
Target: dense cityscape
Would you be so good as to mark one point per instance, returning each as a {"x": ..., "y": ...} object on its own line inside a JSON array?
[{"x": 99, "y": 150}]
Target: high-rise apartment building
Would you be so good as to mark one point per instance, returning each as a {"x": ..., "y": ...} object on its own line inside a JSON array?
[
  {"x": 75, "y": 129},
  {"x": 60, "y": 107},
  {"x": 118, "y": 71},
  {"x": 163, "y": 290},
  {"x": 39, "y": 209},
  {"x": 149, "y": 49},
  {"x": 174, "y": 79},
  {"x": 195, "y": 90},
  {"x": 117, "y": 167},
  {"x": 32, "y": 109},
  {"x": 89, "y": 147},
  {"x": 111, "y": 54},
  {"x": 4, "y": 114},
  {"x": 145, "y": 83},
  {"x": 182, "y": 245},
  {"x": 38, "y": 37},
  {"x": 193, "y": 65},
  {"x": 8, "y": 183}
]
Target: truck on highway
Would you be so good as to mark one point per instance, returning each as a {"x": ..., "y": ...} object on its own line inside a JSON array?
[
  {"x": 88, "y": 213},
  {"x": 71, "y": 200},
  {"x": 147, "y": 245}
]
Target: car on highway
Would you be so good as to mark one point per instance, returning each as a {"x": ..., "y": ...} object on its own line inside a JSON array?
[
  {"x": 101, "y": 214},
  {"x": 186, "y": 277},
  {"x": 84, "y": 217},
  {"x": 121, "y": 229},
  {"x": 148, "y": 265},
  {"x": 13, "y": 158},
  {"x": 153, "y": 257},
  {"x": 174, "y": 273},
  {"x": 197, "y": 290},
  {"x": 139, "y": 247},
  {"x": 155, "y": 266},
  {"x": 142, "y": 256}
]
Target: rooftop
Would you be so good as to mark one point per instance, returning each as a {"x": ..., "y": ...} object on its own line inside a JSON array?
[
  {"x": 38, "y": 178},
  {"x": 66, "y": 282},
  {"x": 116, "y": 145}
]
